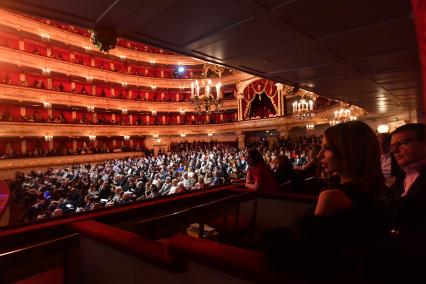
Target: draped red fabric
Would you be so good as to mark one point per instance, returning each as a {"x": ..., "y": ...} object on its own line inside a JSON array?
[
  {"x": 257, "y": 88},
  {"x": 419, "y": 12}
]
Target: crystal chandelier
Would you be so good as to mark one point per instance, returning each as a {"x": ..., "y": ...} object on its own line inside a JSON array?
[
  {"x": 202, "y": 98},
  {"x": 342, "y": 115},
  {"x": 303, "y": 108}
]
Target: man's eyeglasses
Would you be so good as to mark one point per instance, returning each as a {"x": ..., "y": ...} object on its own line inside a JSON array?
[{"x": 400, "y": 143}]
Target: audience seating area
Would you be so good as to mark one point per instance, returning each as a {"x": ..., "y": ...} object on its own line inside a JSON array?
[{"x": 109, "y": 244}]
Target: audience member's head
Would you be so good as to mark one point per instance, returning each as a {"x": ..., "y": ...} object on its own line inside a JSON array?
[
  {"x": 408, "y": 143},
  {"x": 352, "y": 150}
]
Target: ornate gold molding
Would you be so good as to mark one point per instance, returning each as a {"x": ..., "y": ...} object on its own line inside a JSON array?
[
  {"x": 13, "y": 164},
  {"x": 18, "y": 93},
  {"x": 21, "y": 23},
  {"x": 55, "y": 65},
  {"x": 24, "y": 129}
]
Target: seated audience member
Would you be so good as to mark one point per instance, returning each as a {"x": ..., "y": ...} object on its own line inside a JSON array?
[
  {"x": 391, "y": 170},
  {"x": 284, "y": 174},
  {"x": 408, "y": 145},
  {"x": 348, "y": 219},
  {"x": 259, "y": 176},
  {"x": 312, "y": 167},
  {"x": 406, "y": 264}
]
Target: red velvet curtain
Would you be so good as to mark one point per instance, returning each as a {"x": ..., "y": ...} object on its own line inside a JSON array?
[
  {"x": 257, "y": 88},
  {"x": 9, "y": 40},
  {"x": 419, "y": 12}
]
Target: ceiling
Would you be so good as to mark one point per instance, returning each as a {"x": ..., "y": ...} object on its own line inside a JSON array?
[{"x": 359, "y": 51}]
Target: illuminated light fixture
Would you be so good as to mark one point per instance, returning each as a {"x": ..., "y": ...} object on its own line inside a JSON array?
[
  {"x": 92, "y": 137},
  {"x": 342, "y": 115},
  {"x": 205, "y": 100},
  {"x": 45, "y": 71},
  {"x": 154, "y": 112},
  {"x": 45, "y": 36},
  {"x": 122, "y": 56},
  {"x": 90, "y": 108},
  {"x": 89, "y": 78},
  {"x": 383, "y": 128},
  {"x": 182, "y": 112},
  {"x": 126, "y": 137},
  {"x": 182, "y": 135},
  {"x": 87, "y": 47},
  {"x": 310, "y": 126},
  {"x": 48, "y": 138},
  {"x": 124, "y": 111},
  {"x": 153, "y": 87},
  {"x": 124, "y": 84},
  {"x": 210, "y": 134},
  {"x": 181, "y": 88},
  {"x": 181, "y": 69},
  {"x": 303, "y": 108},
  {"x": 155, "y": 135},
  {"x": 158, "y": 140},
  {"x": 47, "y": 105},
  {"x": 152, "y": 61}
]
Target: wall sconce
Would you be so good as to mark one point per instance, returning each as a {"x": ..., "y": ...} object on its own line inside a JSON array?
[
  {"x": 154, "y": 112},
  {"x": 45, "y": 71},
  {"x": 90, "y": 108},
  {"x": 153, "y": 87},
  {"x": 47, "y": 105},
  {"x": 152, "y": 61},
  {"x": 92, "y": 138},
  {"x": 48, "y": 138},
  {"x": 210, "y": 134},
  {"x": 124, "y": 84},
  {"x": 155, "y": 136},
  {"x": 158, "y": 140},
  {"x": 89, "y": 78},
  {"x": 126, "y": 137},
  {"x": 45, "y": 36},
  {"x": 122, "y": 56},
  {"x": 182, "y": 112},
  {"x": 182, "y": 135},
  {"x": 310, "y": 126},
  {"x": 124, "y": 111},
  {"x": 87, "y": 47}
]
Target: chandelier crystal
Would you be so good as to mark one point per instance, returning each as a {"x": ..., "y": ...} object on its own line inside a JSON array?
[{"x": 202, "y": 97}]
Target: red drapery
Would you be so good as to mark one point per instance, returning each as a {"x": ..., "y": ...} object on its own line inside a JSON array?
[
  {"x": 255, "y": 89},
  {"x": 419, "y": 12}
]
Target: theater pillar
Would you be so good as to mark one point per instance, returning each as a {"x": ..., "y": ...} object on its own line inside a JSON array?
[{"x": 241, "y": 137}]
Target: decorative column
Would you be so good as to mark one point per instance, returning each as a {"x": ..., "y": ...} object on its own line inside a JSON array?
[
  {"x": 23, "y": 111},
  {"x": 73, "y": 115},
  {"x": 74, "y": 146},
  {"x": 281, "y": 99},
  {"x": 113, "y": 117},
  {"x": 240, "y": 98},
  {"x": 21, "y": 45},
  {"x": 49, "y": 83},
  {"x": 24, "y": 146},
  {"x": 241, "y": 136},
  {"x": 48, "y": 52},
  {"x": 130, "y": 119}
]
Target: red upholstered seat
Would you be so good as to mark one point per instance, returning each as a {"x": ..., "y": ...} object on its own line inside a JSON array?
[
  {"x": 128, "y": 242},
  {"x": 240, "y": 262},
  {"x": 230, "y": 226}
]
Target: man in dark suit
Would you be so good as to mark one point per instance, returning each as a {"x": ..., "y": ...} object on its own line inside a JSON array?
[
  {"x": 408, "y": 145},
  {"x": 407, "y": 255}
]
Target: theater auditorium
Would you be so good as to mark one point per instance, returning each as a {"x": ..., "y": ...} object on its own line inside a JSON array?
[{"x": 257, "y": 141}]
